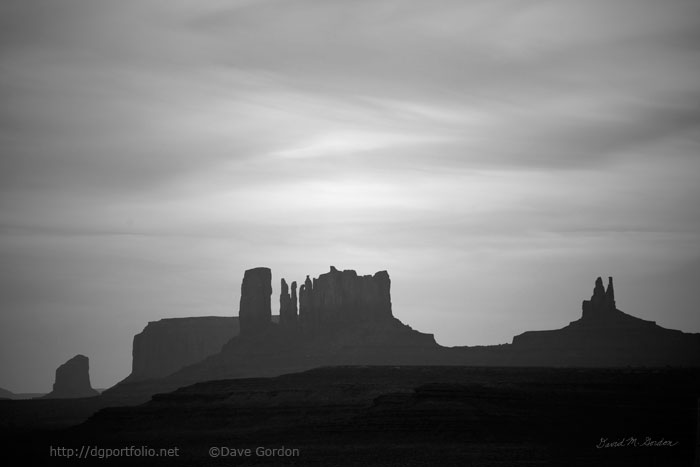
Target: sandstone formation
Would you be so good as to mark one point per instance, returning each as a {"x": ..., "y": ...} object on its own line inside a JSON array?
[
  {"x": 338, "y": 298},
  {"x": 165, "y": 346},
  {"x": 306, "y": 315},
  {"x": 346, "y": 319},
  {"x": 606, "y": 336},
  {"x": 294, "y": 309},
  {"x": 288, "y": 305},
  {"x": 345, "y": 296},
  {"x": 255, "y": 313},
  {"x": 285, "y": 302},
  {"x": 602, "y": 303},
  {"x": 5, "y": 394},
  {"x": 73, "y": 380}
]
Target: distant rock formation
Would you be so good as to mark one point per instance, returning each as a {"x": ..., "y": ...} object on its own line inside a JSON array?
[
  {"x": 5, "y": 394},
  {"x": 346, "y": 319},
  {"x": 606, "y": 336},
  {"x": 294, "y": 309},
  {"x": 255, "y": 313},
  {"x": 602, "y": 303},
  {"x": 341, "y": 297},
  {"x": 288, "y": 306},
  {"x": 601, "y": 310},
  {"x": 165, "y": 346},
  {"x": 307, "y": 319},
  {"x": 73, "y": 380},
  {"x": 168, "y": 345},
  {"x": 345, "y": 296}
]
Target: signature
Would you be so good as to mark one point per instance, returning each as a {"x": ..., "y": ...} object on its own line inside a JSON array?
[{"x": 633, "y": 442}]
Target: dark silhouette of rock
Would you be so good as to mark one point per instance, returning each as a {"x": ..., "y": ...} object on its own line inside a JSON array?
[
  {"x": 610, "y": 294},
  {"x": 601, "y": 310},
  {"x": 169, "y": 345},
  {"x": 602, "y": 302},
  {"x": 288, "y": 306},
  {"x": 294, "y": 309},
  {"x": 285, "y": 300},
  {"x": 606, "y": 336},
  {"x": 73, "y": 380},
  {"x": 343, "y": 296},
  {"x": 255, "y": 313},
  {"x": 307, "y": 318},
  {"x": 165, "y": 346},
  {"x": 340, "y": 297},
  {"x": 5, "y": 394},
  {"x": 347, "y": 319}
]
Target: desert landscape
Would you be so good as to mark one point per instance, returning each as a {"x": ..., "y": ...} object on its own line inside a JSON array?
[
  {"x": 326, "y": 233},
  {"x": 336, "y": 379}
]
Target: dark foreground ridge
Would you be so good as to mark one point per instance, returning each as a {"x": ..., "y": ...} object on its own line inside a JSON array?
[
  {"x": 343, "y": 318},
  {"x": 410, "y": 416}
]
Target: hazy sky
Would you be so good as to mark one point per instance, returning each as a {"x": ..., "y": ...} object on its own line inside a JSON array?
[{"x": 493, "y": 156}]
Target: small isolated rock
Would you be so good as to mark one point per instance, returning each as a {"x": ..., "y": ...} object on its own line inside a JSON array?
[{"x": 73, "y": 380}]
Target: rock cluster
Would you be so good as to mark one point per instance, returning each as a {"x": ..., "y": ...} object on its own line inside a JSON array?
[
  {"x": 333, "y": 299},
  {"x": 307, "y": 318},
  {"x": 346, "y": 319},
  {"x": 606, "y": 336},
  {"x": 288, "y": 305},
  {"x": 73, "y": 380},
  {"x": 602, "y": 302},
  {"x": 341, "y": 297}
]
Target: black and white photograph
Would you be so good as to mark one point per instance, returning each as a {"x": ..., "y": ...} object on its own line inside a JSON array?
[{"x": 336, "y": 233}]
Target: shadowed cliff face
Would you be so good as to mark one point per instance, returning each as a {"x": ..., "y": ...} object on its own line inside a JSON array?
[
  {"x": 288, "y": 305},
  {"x": 255, "y": 313},
  {"x": 342, "y": 297},
  {"x": 168, "y": 345},
  {"x": 73, "y": 380},
  {"x": 165, "y": 346},
  {"x": 345, "y": 296}
]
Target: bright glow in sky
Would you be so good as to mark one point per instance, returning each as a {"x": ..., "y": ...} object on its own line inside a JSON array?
[{"x": 493, "y": 156}]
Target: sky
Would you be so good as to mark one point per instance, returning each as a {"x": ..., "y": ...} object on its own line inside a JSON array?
[{"x": 494, "y": 156}]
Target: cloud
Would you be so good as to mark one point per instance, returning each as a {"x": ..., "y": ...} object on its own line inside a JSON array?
[{"x": 176, "y": 142}]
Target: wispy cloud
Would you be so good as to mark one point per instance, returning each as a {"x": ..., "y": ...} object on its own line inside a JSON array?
[{"x": 468, "y": 147}]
